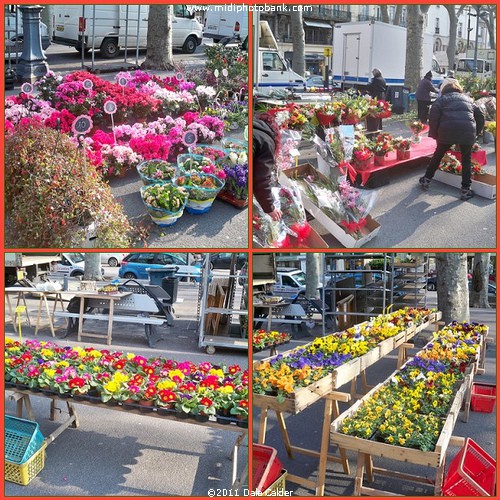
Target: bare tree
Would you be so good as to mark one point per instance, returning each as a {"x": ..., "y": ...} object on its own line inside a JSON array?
[
  {"x": 480, "y": 277},
  {"x": 159, "y": 39},
  {"x": 452, "y": 286},
  {"x": 92, "y": 267},
  {"x": 490, "y": 21},
  {"x": 454, "y": 14},
  {"x": 299, "y": 43},
  {"x": 415, "y": 44},
  {"x": 384, "y": 13},
  {"x": 398, "y": 15},
  {"x": 312, "y": 275}
]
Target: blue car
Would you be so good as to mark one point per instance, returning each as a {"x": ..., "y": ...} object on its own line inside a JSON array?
[{"x": 135, "y": 265}]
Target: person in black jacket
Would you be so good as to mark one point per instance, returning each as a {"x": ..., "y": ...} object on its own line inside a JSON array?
[
  {"x": 265, "y": 146},
  {"x": 423, "y": 96},
  {"x": 377, "y": 89},
  {"x": 453, "y": 119}
]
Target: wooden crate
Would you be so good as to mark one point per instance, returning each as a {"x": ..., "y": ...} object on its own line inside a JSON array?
[
  {"x": 374, "y": 448},
  {"x": 370, "y": 230}
]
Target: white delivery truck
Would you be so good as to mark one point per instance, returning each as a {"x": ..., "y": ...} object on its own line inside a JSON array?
[
  {"x": 223, "y": 21},
  {"x": 360, "y": 47},
  {"x": 108, "y": 28},
  {"x": 485, "y": 63},
  {"x": 271, "y": 70}
]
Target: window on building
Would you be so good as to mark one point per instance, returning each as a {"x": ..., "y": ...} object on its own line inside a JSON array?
[
  {"x": 459, "y": 30},
  {"x": 436, "y": 29}
]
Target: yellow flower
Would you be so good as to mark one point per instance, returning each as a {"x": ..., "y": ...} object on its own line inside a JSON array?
[
  {"x": 166, "y": 384},
  {"x": 111, "y": 386}
]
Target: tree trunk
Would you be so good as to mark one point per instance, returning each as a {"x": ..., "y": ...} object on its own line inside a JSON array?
[
  {"x": 480, "y": 278},
  {"x": 299, "y": 43},
  {"x": 159, "y": 39},
  {"x": 452, "y": 286},
  {"x": 491, "y": 24},
  {"x": 384, "y": 14},
  {"x": 397, "y": 15},
  {"x": 451, "y": 50},
  {"x": 312, "y": 275},
  {"x": 414, "y": 45},
  {"x": 92, "y": 267}
]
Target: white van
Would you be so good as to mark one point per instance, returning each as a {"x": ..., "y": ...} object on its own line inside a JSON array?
[
  {"x": 109, "y": 28},
  {"x": 222, "y": 22},
  {"x": 71, "y": 264}
]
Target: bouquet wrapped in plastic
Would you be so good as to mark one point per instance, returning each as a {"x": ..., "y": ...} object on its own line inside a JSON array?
[{"x": 357, "y": 205}]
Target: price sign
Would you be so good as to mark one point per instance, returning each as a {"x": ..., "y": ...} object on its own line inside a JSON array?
[
  {"x": 122, "y": 81},
  {"x": 216, "y": 73},
  {"x": 110, "y": 107},
  {"x": 225, "y": 72},
  {"x": 88, "y": 84},
  {"x": 189, "y": 139},
  {"x": 82, "y": 125},
  {"x": 27, "y": 88},
  {"x": 179, "y": 76}
]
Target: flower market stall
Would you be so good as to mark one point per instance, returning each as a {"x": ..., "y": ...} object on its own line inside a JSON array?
[
  {"x": 296, "y": 379},
  {"x": 200, "y": 394},
  {"x": 141, "y": 123},
  {"x": 410, "y": 417}
]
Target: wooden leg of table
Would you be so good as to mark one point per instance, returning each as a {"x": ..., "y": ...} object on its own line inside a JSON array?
[
  {"x": 353, "y": 388},
  {"x": 325, "y": 441},
  {"x": 72, "y": 413},
  {"x": 369, "y": 468},
  {"x": 358, "y": 478},
  {"x": 284, "y": 433},
  {"x": 52, "y": 409},
  {"x": 110, "y": 322},
  {"x": 438, "y": 485},
  {"x": 261, "y": 439},
  {"x": 11, "y": 312},
  {"x": 80, "y": 321},
  {"x": 26, "y": 309},
  {"x": 29, "y": 408},
  {"x": 342, "y": 452},
  {"x": 49, "y": 315},
  {"x": 39, "y": 314}
]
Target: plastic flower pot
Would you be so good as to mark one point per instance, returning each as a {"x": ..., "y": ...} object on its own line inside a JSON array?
[
  {"x": 161, "y": 216},
  {"x": 146, "y": 170},
  {"x": 191, "y": 162},
  {"x": 200, "y": 198}
]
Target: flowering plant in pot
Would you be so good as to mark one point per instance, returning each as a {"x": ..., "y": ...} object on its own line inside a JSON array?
[
  {"x": 381, "y": 146},
  {"x": 157, "y": 171},
  {"x": 362, "y": 157},
  {"x": 402, "y": 147},
  {"x": 187, "y": 405},
  {"x": 416, "y": 127},
  {"x": 240, "y": 410},
  {"x": 202, "y": 190},
  {"x": 165, "y": 202},
  {"x": 235, "y": 167},
  {"x": 206, "y": 407}
]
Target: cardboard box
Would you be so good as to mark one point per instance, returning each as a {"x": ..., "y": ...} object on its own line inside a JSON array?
[
  {"x": 482, "y": 185},
  {"x": 370, "y": 230}
]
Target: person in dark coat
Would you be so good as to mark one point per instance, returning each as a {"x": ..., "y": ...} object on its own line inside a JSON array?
[
  {"x": 377, "y": 89},
  {"x": 423, "y": 96},
  {"x": 265, "y": 146},
  {"x": 453, "y": 119}
]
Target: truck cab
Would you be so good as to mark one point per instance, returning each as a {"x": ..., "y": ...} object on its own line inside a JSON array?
[{"x": 465, "y": 67}]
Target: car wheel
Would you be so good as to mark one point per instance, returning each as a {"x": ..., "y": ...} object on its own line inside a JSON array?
[
  {"x": 130, "y": 276},
  {"x": 431, "y": 287},
  {"x": 189, "y": 45},
  {"x": 76, "y": 274},
  {"x": 109, "y": 48},
  {"x": 112, "y": 262}
]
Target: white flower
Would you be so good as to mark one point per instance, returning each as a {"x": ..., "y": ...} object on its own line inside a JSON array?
[{"x": 205, "y": 91}]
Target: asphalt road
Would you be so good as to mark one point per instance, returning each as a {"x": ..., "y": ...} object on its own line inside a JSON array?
[
  {"x": 123, "y": 454},
  {"x": 412, "y": 218},
  {"x": 305, "y": 428},
  {"x": 225, "y": 226}
]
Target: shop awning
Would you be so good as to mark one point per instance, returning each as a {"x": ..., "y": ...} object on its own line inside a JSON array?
[{"x": 317, "y": 24}]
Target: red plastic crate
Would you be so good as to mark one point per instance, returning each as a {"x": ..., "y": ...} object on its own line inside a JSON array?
[
  {"x": 472, "y": 473},
  {"x": 266, "y": 467},
  {"x": 483, "y": 397}
]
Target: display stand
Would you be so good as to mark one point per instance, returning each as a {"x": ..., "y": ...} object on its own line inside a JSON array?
[{"x": 22, "y": 397}]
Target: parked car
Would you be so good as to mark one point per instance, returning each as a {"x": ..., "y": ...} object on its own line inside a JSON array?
[
  {"x": 223, "y": 260},
  {"x": 112, "y": 259},
  {"x": 492, "y": 292},
  {"x": 319, "y": 82},
  {"x": 135, "y": 265},
  {"x": 432, "y": 283}
]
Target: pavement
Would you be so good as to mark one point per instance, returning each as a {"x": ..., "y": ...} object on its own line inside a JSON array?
[
  {"x": 305, "y": 428},
  {"x": 225, "y": 226},
  {"x": 412, "y": 218},
  {"x": 125, "y": 454}
]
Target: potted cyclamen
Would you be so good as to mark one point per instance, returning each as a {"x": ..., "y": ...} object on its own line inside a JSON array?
[
  {"x": 202, "y": 190},
  {"x": 165, "y": 202},
  {"x": 157, "y": 171}
]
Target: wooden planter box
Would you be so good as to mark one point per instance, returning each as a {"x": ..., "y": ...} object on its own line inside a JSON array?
[
  {"x": 374, "y": 448},
  {"x": 370, "y": 230},
  {"x": 482, "y": 185}
]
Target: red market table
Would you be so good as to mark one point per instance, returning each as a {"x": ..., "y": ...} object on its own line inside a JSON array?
[{"x": 424, "y": 149}]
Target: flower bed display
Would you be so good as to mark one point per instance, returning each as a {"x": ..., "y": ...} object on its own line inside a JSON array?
[
  {"x": 186, "y": 389},
  {"x": 263, "y": 339},
  {"x": 297, "y": 378},
  {"x": 410, "y": 409}
]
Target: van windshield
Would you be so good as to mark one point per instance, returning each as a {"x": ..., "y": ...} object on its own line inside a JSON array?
[
  {"x": 300, "y": 278},
  {"x": 76, "y": 257}
]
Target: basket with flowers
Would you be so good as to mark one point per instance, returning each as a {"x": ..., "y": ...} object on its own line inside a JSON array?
[
  {"x": 402, "y": 147},
  {"x": 164, "y": 202},
  {"x": 202, "y": 189}
]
